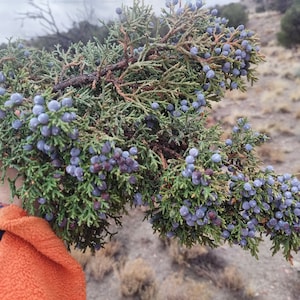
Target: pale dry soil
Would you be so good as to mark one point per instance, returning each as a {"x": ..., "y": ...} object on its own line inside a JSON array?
[{"x": 272, "y": 105}]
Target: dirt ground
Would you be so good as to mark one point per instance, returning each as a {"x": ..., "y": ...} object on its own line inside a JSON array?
[{"x": 272, "y": 105}]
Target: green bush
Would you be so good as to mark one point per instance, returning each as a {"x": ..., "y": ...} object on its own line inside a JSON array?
[
  {"x": 289, "y": 35},
  {"x": 236, "y": 14},
  {"x": 90, "y": 137},
  {"x": 260, "y": 9},
  {"x": 281, "y": 5},
  {"x": 81, "y": 32}
]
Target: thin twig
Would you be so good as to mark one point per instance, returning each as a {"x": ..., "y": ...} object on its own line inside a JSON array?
[
  {"x": 85, "y": 79},
  {"x": 82, "y": 80},
  {"x": 46, "y": 17}
]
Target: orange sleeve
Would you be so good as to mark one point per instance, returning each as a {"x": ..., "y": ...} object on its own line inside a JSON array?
[{"x": 34, "y": 263}]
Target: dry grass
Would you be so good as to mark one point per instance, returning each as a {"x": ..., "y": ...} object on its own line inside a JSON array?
[
  {"x": 277, "y": 87},
  {"x": 137, "y": 280},
  {"x": 103, "y": 261},
  {"x": 272, "y": 129},
  {"x": 236, "y": 95},
  {"x": 98, "y": 268},
  {"x": 295, "y": 95},
  {"x": 198, "y": 260},
  {"x": 269, "y": 101},
  {"x": 233, "y": 281},
  {"x": 266, "y": 101},
  {"x": 176, "y": 287},
  {"x": 182, "y": 254},
  {"x": 224, "y": 277},
  {"x": 284, "y": 108},
  {"x": 281, "y": 128},
  {"x": 269, "y": 155},
  {"x": 81, "y": 257},
  {"x": 204, "y": 264}
]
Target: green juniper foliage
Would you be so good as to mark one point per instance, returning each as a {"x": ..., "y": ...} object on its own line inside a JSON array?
[
  {"x": 289, "y": 34},
  {"x": 100, "y": 126}
]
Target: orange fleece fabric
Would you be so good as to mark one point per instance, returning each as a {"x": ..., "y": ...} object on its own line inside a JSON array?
[{"x": 34, "y": 263}]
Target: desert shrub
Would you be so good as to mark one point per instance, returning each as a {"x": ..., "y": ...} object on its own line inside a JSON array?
[
  {"x": 137, "y": 279},
  {"x": 182, "y": 254},
  {"x": 207, "y": 266},
  {"x": 232, "y": 279},
  {"x": 80, "y": 32},
  {"x": 103, "y": 261},
  {"x": 289, "y": 35},
  {"x": 280, "y": 5},
  {"x": 81, "y": 257},
  {"x": 91, "y": 137},
  {"x": 260, "y": 9},
  {"x": 236, "y": 13},
  {"x": 176, "y": 287}
]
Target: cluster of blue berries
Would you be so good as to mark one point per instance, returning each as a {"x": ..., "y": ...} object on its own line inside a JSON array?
[
  {"x": 52, "y": 119},
  {"x": 42, "y": 112},
  {"x": 200, "y": 215},
  {"x": 188, "y": 5},
  {"x": 74, "y": 168},
  {"x": 190, "y": 170},
  {"x": 42, "y": 123},
  {"x": 278, "y": 211},
  {"x": 109, "y": 159},
  {"x": 184, "y": 105},
  {"x": 267, "y": 203},
  {"x": 243, "y": 139},
  {"x": 14, "y": 100},
  {"x": 260, "y": 202},
  {"x": 233, "y": 52}
]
